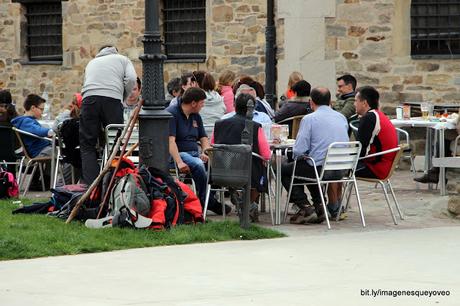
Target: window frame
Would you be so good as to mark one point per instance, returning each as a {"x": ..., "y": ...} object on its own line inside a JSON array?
[
  {"x": 433, "y": 23},
  {"x": 29, "y": 58},
  {"x": 173, "y": 31}
]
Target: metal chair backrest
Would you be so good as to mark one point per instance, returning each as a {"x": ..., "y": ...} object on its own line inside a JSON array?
[
  {"x": 394, "y": 164},
  {"x": 19, "y": 135},
  {"x": 354, "y": 124},
  {"x": 7, "y": 144},
  {"x": 229, "y": 164},
  {"x": 342, "y": 156},
  {"x": 294, "y": 125},
  {"x": 111, "y": 132}
]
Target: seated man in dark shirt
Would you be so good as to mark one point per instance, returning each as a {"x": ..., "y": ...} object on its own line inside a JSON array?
[
  {"x": 228, "y": 131},
  {"x": 185, "y": 130},
  {"x": 298, "y": 105}
]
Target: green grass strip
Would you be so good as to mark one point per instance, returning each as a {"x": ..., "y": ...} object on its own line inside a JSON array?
[{"x": 30, "y": 236}]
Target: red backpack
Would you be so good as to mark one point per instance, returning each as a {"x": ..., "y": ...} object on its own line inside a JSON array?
[{"x": 8, "y": 185}]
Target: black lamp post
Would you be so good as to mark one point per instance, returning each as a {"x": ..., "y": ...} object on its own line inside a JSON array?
[
  {"x": 270, "y": 55},
  {"x": 153, "y": 119}
]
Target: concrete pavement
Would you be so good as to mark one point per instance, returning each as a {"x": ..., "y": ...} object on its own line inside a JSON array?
[
  {"x": 326, "y": 269},
  {"x": 313, "y": 266}
]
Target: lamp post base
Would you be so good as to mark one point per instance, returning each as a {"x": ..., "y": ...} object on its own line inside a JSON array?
[{"x": 154, "y": 138}]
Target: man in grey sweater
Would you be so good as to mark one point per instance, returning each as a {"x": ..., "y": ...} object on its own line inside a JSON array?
[{"x": 109, "y": 79}]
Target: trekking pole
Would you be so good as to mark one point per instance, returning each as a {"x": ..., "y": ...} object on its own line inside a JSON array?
[
  {"x": 122, "y": 152},
  {"x": 106, "y": 168}
]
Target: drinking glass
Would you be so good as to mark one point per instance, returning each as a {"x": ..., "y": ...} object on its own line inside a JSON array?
[{"x": 425, "y": 108}]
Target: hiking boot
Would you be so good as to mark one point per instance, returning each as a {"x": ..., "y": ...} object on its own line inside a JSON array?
[
  {"x": 321, "y": 216},
  {"x": 236, "y": 198},
  {"x": 216, "y": 208},
  {"x": 431, "y": 177},
  {"x": 304, "y": 215},
  {"x": 254, "y": 212}
]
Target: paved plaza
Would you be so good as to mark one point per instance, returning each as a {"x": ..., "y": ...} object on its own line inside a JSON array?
[{"x": 312, "y": 266}]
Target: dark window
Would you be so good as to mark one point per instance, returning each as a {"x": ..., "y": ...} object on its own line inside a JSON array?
[
  {"x": 44, "y": 31},
  {"x": 185, "y": 29},
  {"x": 435, "y": 28}
]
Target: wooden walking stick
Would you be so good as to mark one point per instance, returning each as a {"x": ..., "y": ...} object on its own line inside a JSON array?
[
  {"x": 107, "y": 166},
  {"x": 122, "y": 153}
]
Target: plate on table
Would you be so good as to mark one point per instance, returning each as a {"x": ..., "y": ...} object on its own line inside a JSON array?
[{"x": 289, "y": 141}]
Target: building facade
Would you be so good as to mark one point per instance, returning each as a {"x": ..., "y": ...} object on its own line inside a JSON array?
[{"x": 371, "y": 39}]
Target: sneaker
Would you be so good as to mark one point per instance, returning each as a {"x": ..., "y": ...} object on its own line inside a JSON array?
[
  {"x": 304, "y": 215},
  {"x": 254, "y": 212},
  {"x": 99, "y": 223},
  {"x": 342, "y": 215}
]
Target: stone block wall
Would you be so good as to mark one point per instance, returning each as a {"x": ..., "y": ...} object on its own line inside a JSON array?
[
  {"x": 235, "y": 40},
  {"x": 371, "y": 40}
]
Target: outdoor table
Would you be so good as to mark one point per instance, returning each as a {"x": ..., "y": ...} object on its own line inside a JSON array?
[
  {"x": 438, "y": 127},
  {"x": 46, "y": 123},
  {"x": 278, "y": 149}
]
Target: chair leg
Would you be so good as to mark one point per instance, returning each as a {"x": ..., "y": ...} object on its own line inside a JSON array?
[
  {"x": 56, "y": 170},
  {"x": 342, "y": 197},
  {"x": 361, "y": 212},
  {"x": 401, "y": 215},
  {"x": 350, "y": 189},
  {"x": 206, "y": 202},
  {"x": 19, "y": 173},
  {"x": 42, "y": 175},
  {"x": 324, "y": 206},
  {"x": 31, "y": 177},
  {"x": 414, "y": 172},
  {"x": 72, "y": 169},
  {"x": 24, "y": 176},
  {"x": 288, "y": 197},
  {"x": 388, "y": 202},
  {"x": 222, "y": 201}
]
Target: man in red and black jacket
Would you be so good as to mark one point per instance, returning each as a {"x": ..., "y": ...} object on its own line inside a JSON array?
[{"x": 376, "y": 134}]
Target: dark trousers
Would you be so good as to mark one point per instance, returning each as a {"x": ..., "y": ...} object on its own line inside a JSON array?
[
  {"x": 96, "y": 113},
  {"x": 298, "y": 195},
  {"x": 363, "y": 171}
]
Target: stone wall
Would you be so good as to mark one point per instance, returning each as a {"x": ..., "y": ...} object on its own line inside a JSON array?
[
  {"x": 235, "y": 40},
  {"x": 371, "y": 40}
]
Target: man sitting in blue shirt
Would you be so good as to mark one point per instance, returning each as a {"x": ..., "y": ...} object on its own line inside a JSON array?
[
  {"x": 185, "y": 129},
  {"x": 34, "y": 106},
  {"x": 317, "y": 131}
]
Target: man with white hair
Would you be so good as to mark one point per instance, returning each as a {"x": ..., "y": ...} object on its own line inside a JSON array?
[{"x": 259, "y": 117}]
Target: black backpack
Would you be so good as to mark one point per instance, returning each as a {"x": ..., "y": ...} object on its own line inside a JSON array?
[{"x": 70, "y": 137}]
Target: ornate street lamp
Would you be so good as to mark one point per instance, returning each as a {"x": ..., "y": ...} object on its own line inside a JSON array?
[
  {"x": 270, "y": 55},
  {"x": 153, "y": 119}
]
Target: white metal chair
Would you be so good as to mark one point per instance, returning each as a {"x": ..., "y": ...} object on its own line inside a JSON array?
[
  {"x": 35, "y": 162},
  {"x": 111, "y": 133},
  {"x": 385, "y": 182},
  {"x": 340, "y": 156}
]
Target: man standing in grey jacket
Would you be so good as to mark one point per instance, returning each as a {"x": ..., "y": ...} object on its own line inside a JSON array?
[{"x": 109, "y": 79}]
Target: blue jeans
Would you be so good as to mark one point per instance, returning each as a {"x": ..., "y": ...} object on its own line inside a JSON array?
[{"x": 198, "y": 170}]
